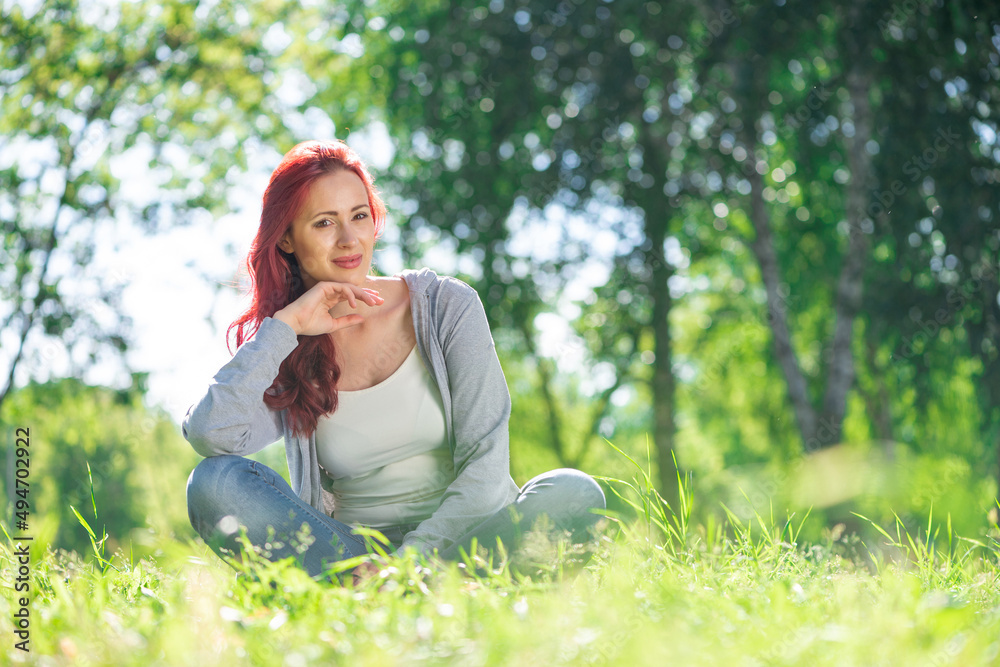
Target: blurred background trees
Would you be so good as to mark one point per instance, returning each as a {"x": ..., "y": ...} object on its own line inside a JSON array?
[
  {"x": 774, "y": 165},
  {"x": 92, "y": 94},
  {"x": 137, "y": 460},
  {"x": 761, "y": 236}
]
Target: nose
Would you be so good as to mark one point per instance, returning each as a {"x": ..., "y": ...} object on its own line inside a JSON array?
[{"x": 347, "y": 237}]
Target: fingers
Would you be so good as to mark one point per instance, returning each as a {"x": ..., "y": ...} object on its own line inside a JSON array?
[
  {"x": 349, "y": 293},
  {"x": 367, "y": 295},
  {"x": 313, "y": 313},
  {"x": 372, "y": 298},
  {"x": 345, "y": 321},
  {"x": 337, "y": 292}
]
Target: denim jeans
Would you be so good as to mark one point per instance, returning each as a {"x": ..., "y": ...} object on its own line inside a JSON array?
[{"x": 226, "y": 493}]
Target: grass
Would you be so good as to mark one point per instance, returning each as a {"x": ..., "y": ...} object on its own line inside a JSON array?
[{"x": 659, "y": 591}]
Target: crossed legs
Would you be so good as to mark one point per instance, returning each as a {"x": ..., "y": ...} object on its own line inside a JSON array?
[{"x": 227, "y": 492}]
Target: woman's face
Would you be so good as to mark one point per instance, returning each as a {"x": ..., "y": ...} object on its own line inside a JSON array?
[{"x": 333, "y": 236}]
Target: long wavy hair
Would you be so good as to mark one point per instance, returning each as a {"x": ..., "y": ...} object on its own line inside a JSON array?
[{"x": 306, "y": 385}]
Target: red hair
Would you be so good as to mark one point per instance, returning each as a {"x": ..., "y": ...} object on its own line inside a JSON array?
[{"x": 306, "y": 385}]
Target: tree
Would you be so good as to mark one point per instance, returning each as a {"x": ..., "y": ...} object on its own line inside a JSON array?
[
  {"x": 682, "y": 130},
  {"x": 503, "y": 110},
  {"x": 936, "y": 311},
  {"x": 88, "y": 93},
  {"x": 743, "y": 70},
  {"x": 806, "y": 112}
]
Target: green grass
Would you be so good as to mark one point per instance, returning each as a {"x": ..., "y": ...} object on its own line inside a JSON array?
[{"x": 659, "y": 591}]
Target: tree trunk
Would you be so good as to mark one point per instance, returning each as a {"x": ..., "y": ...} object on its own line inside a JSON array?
[
  {"x": 877, "y": 401},
  {"x": 662, "y": 383},
  {"x": 819, "y": 428},
  {"x": 777, "y": 311},
  {"x": 850, "y": 286},
  {"x": 28, "y": 323}
]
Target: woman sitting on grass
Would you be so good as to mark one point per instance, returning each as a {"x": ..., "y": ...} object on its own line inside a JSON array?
[{"x": 387, "y": 391}]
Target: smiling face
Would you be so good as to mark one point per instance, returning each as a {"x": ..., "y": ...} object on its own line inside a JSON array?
[{"x": 333, "y": 236}]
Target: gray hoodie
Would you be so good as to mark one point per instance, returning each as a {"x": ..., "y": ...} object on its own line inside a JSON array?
[{"x": 454, "y": 339}]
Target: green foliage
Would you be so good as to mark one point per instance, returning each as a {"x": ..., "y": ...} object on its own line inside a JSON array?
[
  {"x": 633, "y": 132},
  {"x": 653, "y": 595},
  {"x": 95, "y": 543},
  {"x": 93, "y": 448},
  {"x": 835, "y": 485},
  {"x": 92, "y": 93}
]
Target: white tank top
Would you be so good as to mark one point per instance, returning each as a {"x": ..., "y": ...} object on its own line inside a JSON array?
[{"x": 386, "y": 450}]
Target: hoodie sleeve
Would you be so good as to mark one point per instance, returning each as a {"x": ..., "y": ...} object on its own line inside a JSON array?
[
  {"x": 480, "y": 409},
  {"x": 232, "y": 418}
]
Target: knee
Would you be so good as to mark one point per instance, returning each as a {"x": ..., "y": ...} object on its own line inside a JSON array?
[
  {"x": 577, "y": 491},
  {"x": 207, "y": 482},
  {"x": 212, "y": 472}
]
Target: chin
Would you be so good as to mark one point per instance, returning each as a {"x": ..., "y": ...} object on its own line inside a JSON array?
[{"x": 353, "y": 276}]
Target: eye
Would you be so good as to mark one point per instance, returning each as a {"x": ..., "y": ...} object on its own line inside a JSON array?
[
  {"x": 361, "y": 216},
  {"x": 324, "y": 222}
]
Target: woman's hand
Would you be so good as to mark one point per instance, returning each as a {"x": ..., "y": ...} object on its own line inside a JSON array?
[{"x": 309, "y": 315}]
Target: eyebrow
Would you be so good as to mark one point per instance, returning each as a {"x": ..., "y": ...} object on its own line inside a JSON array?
[{"x": 334, "y": 213}]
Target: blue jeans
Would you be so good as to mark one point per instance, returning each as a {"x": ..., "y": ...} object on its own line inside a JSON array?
[{"x": 225, "y": 493}]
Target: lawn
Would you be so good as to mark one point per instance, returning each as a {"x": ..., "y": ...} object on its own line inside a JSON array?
[{"x": 658, "y": 591}]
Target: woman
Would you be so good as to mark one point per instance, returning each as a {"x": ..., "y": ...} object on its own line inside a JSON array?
[{"x": 387, "y": 392}]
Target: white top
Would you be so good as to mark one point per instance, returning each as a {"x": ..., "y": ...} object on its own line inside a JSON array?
[{"x": 386, "y": 449}]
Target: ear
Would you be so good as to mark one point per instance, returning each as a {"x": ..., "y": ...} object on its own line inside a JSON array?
[{"x": 286, "y": 243}]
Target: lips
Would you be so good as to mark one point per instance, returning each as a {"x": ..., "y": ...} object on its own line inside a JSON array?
[{"x": 349, "y": 262}]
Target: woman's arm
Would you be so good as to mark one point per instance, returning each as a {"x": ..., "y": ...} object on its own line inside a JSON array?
[
  {"x": 480, "y": 408},
  {"x": 232, "y": 418}
]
